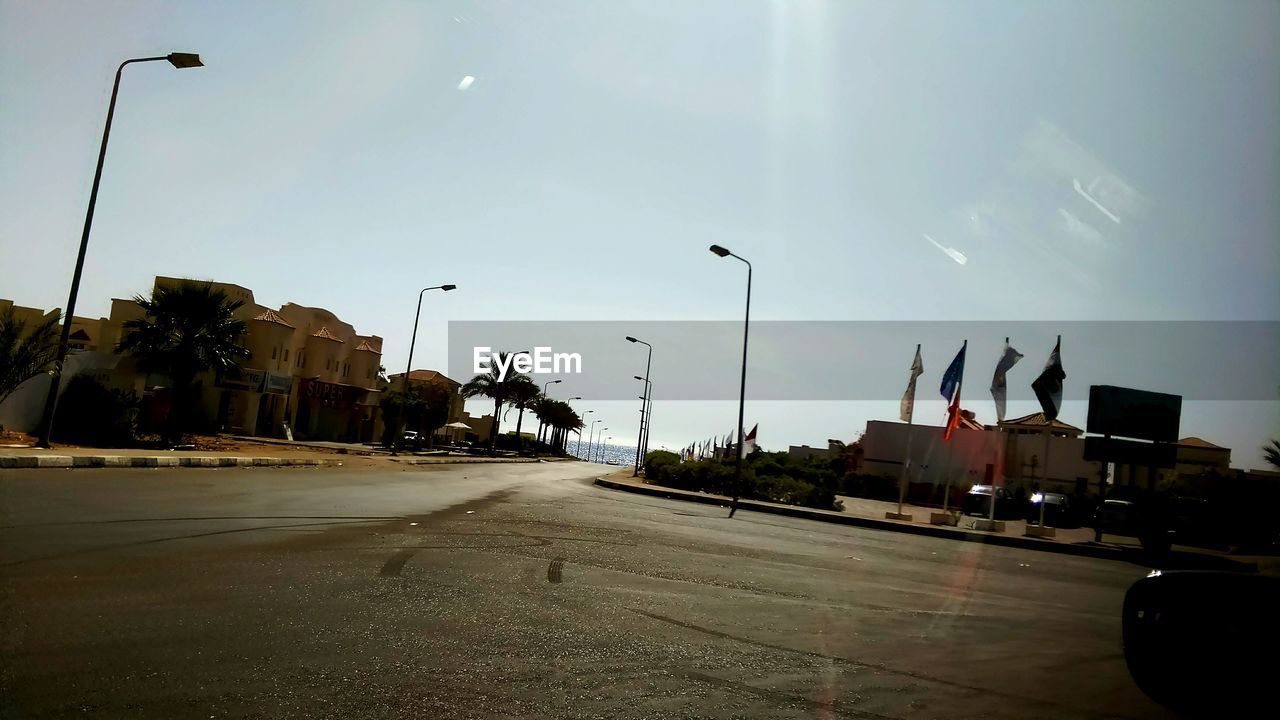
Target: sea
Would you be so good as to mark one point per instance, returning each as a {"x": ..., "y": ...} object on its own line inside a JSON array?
[{"x": 623, "y": 455}]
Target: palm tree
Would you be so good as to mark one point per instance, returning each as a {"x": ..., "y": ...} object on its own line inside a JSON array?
[
  {"x": 544, "y": 408},
  {"x": 25, "y": 351},
  {"x": 1271, "y": 453},
  {"x": 188, "y": 329},
  {"x": 488, "y": 385},
  {"x": 562, "y": 419},
  {"x": 522, "y": 394}
]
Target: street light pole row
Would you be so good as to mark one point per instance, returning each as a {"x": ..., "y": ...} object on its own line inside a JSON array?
[
  {"x": 644, "y": 402},
  {"x": 180, "y": 61}
]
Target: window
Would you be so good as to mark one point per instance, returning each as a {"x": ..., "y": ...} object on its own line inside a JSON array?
[
  {"x": 273, "y": 352},
  {"x": 286, "y": 355}
]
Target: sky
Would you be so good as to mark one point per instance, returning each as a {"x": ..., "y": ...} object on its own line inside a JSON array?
[{"x": 978, "y": 161}]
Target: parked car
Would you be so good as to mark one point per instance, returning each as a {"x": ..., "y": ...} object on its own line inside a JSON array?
[
  {"x": 978, "y": 502},
  {"x": 411, "y": 439},
  {"x": 1116, "y": 517},
  {"x": 1057, "y": 511}
]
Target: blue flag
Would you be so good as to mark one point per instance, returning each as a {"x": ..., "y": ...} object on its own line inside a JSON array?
[{"x": 951, "y": 378}]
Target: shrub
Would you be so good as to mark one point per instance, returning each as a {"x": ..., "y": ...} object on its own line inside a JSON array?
[
  {"x": 772, "y": 477},
  {"x": 91, "y": 414}
]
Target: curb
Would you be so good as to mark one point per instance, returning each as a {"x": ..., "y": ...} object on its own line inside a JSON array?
[
  {"x": 1092, "y": 551},
  {"x": 153, "y": 461}
]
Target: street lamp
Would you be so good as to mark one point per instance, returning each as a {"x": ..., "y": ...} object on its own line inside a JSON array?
[
  {"x": 742, "y": 390},
  {"x": 643, "y": 403},
  {"x": 408, "y": 366},
  {"x": 602, "y": 444},
  {"x": 577, "y": 451},
  {"x": 648, "y": 423},
  {"x": 591, "y": 437},
  {"x": 544, "y": 392},
  {"x": 178, "y": 60},
  {"x": 646, "y": 401}
]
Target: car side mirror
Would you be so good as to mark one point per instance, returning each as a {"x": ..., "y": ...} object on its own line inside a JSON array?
[{"x": 1204, "y": 642}]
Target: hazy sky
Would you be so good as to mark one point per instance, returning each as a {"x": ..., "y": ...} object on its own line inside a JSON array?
[{"x": 879, "y": 160}]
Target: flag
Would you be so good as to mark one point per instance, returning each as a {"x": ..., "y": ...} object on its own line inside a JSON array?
[
  {"x": 999, "y": 390},
  {"x": 1048, "y": 386},
  {"x": 952, "y": 379},
  {"x": 749, "y": 443},
  {"x": 909, "y": 397}
]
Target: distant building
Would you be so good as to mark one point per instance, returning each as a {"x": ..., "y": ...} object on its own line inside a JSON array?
[
  {"x": 481, "y": 427},
  {"x": 435, "y": 377},
  {"x": 804, "y": 452},
  {"x": 1012, "y": 451}
]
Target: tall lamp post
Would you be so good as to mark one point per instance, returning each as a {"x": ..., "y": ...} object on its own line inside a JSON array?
[
  {"x": 644, "y": 423},
  {"x": 640, "y": 438},
  {"x": 545, "y": 385},
  {"x": 648, "y": 423},
  {"x": 742, "y": 390},
  {"x": 408, "y": 365},
  {"x": 602, "y": 444},
  {"x": 591, "y": 437},
  {"x": 180, "y": 61},
  {"x": 565, "y": 432},
  {"x": 578, "y": 450}
]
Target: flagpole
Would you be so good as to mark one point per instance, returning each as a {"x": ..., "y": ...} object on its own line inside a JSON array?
[
  {"x": 905, "y": 476},
  {"x": 1048, "y": 433},
  {"x": 946, "y": 496},
  {"x": 999, "y": 468},
  {"x": 1044, "y": 486}
]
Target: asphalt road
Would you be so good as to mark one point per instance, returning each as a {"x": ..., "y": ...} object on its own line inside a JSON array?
[{"x": 513, "y": 591}]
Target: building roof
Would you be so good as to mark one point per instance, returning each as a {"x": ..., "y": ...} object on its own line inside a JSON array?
[
  {"x": 1037, "y": 420},
  {"x": 365, "y": 346},
  {"x": 1200, "y": 443},
  {"x": 427, "y": 376},
  {"x": 325, "y": 333},
  {"x": 271, "y": 316}
]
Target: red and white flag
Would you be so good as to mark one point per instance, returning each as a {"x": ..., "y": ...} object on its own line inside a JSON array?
[{"x": 749, "y": 443}]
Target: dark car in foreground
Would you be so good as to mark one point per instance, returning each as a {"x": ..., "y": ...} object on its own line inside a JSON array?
[{"x": 1203, "y": 643}]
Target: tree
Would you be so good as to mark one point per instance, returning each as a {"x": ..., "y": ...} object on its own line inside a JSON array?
[
  {"x": 523, "y": 394},
  {"x": 434, "y": 411},
  {"x": 488, "y": 385},
  {"x": 1271, "y": 453},
  {"x": 92, "y": 414},
  {"x": 424, "y": 408},
  {"x": 25, "y": 351},
  {"x": 188, "y": 329},
  {"x": 559, "y": 417}
]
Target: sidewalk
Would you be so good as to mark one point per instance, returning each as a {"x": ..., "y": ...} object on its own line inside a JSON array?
[{"x": 861, "y": 512}]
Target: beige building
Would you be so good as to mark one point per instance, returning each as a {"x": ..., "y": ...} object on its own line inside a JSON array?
[
  {"x": 308, "y": 373},
  {"x": 1013, "y": 451},
  {"x": 436, "y": 378},
  {"x": 86, "y": 333},
  {"x": 87, "y": 352}
]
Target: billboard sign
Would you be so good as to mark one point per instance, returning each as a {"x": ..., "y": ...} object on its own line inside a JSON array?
[{"x": 1125, "y": 412}]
